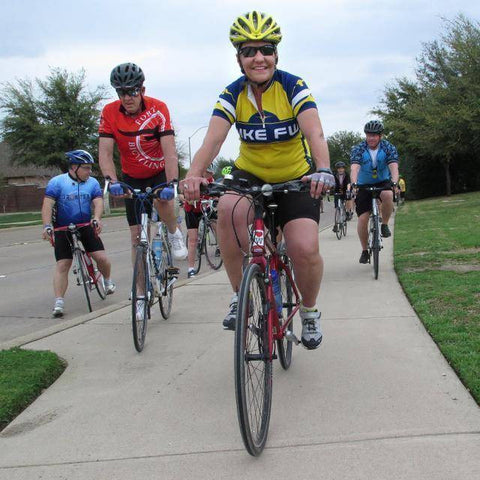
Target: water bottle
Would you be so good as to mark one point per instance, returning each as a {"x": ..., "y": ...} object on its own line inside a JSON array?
[
  {"x": 157, "y": 249},
  {"x": 277, "y": 292}
]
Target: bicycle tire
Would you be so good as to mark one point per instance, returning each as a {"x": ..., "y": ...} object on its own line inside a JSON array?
[
  {"x": 83, "y": 276},
  {"x": 199, "y": 248},
  {"x": 252, "y": 362},
  {"x": 285, "y": 347},
  {"x": 376, "y": 247},
  {"x": 210, "y": 247},
  {"x": 140, "y": 310},
  {"x": 100, "y": 285},
  {"x": 165, "y": 299},
  {"x": 338, "y": 225}
]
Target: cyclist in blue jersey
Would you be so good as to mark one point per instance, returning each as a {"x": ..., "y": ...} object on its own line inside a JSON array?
[
  {"x": 374, "y": 162},
  {"x": 69, "y": 199},
  {"x": 281, "y": 139}
]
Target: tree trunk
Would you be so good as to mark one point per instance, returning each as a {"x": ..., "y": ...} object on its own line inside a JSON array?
[{"x": 448, "y": 177}]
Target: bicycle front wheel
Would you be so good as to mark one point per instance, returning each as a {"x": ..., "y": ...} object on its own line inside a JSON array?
[
  {"x": 252, "y": 360},
  {"x": 338, "y": 223},
  {"x": 199, "y": 247},
  {"x": 284, "y": 346},
  {"x": 83, "y": 278},
  {"x": 212, "y": 252},
  {"x": 140, "y": 306},
  {"x": 166, "y": 294},
  {"x": 375, "y": 246}
]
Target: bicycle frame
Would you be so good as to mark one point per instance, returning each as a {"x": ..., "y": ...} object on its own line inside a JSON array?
[{"x": 264, "y": 253}]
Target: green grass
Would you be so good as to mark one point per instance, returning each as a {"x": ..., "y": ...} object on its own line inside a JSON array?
[
  {"x": 11, "y": 220},
  {"x": 437, "y": 259},
  {"x": 24, "y": 374}
]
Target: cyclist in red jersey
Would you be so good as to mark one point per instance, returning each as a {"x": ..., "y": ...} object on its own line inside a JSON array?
[{"x": 141, "y": 128}]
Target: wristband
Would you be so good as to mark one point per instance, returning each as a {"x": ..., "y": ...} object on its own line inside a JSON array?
[
  {"x": 45, "y": 227},
  {"x": 325, "y": 170}
]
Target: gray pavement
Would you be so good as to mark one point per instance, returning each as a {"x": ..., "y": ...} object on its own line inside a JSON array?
[{"x": 376, "y": 401}]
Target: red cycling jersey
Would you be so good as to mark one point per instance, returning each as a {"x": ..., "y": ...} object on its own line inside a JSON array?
[{"x": 138, "y": 137}]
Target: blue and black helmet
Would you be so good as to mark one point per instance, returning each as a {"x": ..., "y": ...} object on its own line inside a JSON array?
[{"x": 77, "y": 157}]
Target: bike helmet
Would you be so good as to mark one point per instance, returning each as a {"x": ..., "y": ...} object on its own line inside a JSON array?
[
  {"x": 227, "y": 170},
  {"x": 127, "y": 75},
  {"x": 340, "y": 165},
  {"x": 79, "y": 157},
  {"x": 373, "y": 126},
  {"x": 255, "y": 26}
]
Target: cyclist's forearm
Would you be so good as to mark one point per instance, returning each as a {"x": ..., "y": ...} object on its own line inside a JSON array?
[
  {"x": 105, "y": 157},
  {"x": 170, "y": 154},
  {"x": 393, "y": 167},
  {"x": 354, "y": 169},
  {"x": 47, "y": 209},
  {"x": 97, "y": 208}
]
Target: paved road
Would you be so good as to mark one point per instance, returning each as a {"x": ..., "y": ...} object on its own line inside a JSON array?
[
  {"x": 26, "y": 268},
  {"x": 377, "y": 401}
]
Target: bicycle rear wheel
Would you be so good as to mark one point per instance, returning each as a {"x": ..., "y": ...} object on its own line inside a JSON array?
[
  {"x": 253, "y": 365},
  {"x": 212, "y": 252},
  {"x": 338, "y": 223},
  {"x": 166, "y": 294},
  {"x": 284, "y": 346},
  {"x": 82, "y": 275},
  {"x": 140, "y": 306}
]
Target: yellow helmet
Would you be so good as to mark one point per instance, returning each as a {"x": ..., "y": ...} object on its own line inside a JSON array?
[{"x": 255, "y": 26}]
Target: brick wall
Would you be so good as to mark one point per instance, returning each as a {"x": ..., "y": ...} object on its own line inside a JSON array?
[{"x": 21, "y": 198}]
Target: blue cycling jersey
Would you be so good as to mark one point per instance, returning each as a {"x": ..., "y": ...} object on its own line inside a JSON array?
[
  {"x": 368, "y": 175},
  {"x": 73, "y": 199}
]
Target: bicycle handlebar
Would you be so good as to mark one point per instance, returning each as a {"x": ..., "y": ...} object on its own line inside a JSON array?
[
  {"x": 150, "y": 192},
  {"x": 72, "y": 227}
]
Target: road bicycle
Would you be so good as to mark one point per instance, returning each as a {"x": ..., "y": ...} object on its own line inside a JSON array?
[
  {"x": 340, "y": 216},
  {"x": 374, "y": 236},
  {"x": 153, "y": 275},
  {"x": 267, "y": 303},
  {"x": 207, "y": 237},
  {"x": 84, "y": 268}
]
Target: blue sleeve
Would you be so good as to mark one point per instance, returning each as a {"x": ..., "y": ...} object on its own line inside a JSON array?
[
  {"x": 53, "y": 189},
  {"x": 391, "y": 151},
  {"x": 96, "y": 189},
  {"x": 356, "y": 154}
]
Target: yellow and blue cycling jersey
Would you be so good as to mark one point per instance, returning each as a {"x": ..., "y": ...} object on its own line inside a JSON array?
[{"x": 272, "y": 146}]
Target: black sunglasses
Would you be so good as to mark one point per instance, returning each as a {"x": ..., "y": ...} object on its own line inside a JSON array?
[
  {"x": 265, "y": 50},
  {"x": 131, "y": 92}
]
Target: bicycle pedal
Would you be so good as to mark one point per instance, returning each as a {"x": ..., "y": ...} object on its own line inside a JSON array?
[{"x": 291, "y": 337}]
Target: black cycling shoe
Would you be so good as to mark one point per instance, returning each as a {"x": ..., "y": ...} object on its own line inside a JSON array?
[
  {"x": 364, "y": 257},
  {"x": 385, "y": 231}
]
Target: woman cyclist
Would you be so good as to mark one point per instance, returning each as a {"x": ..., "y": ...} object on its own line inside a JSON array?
[{"x": 281, "y": 139}]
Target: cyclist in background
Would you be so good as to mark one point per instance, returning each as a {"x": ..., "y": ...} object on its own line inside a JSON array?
[
  {"x": 374, "y": 162},
  {"x": 281, "y": 139},
  {"x": 403, "y": 188},
  {"x": 140, "y": 126},
  {"x": 69, "y": 198},
  {"x": 193, "y": 214},
  {"x": 342, "y": 184}
]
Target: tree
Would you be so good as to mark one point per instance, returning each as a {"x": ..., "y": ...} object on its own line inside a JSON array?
[
  {"x": 435, "y": 120},
  {"x": 340, "y": 145},
  {"x": 45, "y": 118}
]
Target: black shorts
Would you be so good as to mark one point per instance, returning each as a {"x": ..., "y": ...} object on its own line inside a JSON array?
[
  {"x": 363, "y": 201},
  {"x": 192, "y": 219},
  {"x": 337, "y": 197},
  {"x": 291, "y": 206},
  {"x": 132, "y": 207},
  {"x": 63, "y": 242}
]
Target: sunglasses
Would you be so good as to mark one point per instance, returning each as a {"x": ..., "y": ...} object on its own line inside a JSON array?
[
  {"x": 265, "y": 50},
  {"x": 131, "y": 92}
]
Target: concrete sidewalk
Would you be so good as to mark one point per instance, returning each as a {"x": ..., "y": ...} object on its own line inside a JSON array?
[{"x": 376, "y": 401}]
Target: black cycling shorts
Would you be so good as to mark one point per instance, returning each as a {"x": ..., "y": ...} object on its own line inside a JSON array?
[
  {"x": 192, "y": 219},
  {"x": 290, "y": 206},
  {"x": 363, "y": 201},
  {"x": 132, "y": 207},
  {"x": 63, "y": 242}
]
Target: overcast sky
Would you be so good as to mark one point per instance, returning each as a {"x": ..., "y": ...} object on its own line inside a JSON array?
[{"x": 345, "y": 50}]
